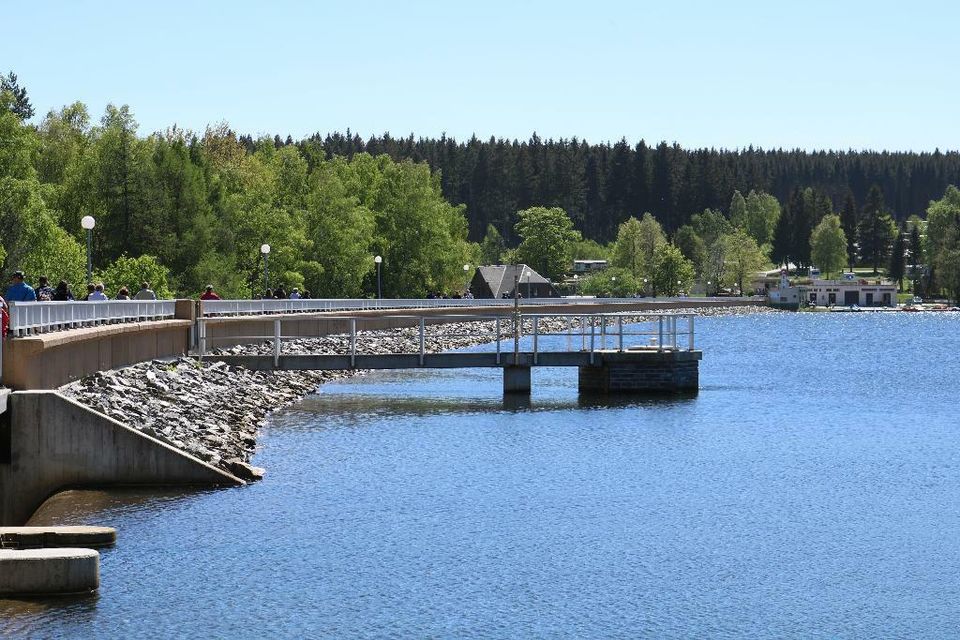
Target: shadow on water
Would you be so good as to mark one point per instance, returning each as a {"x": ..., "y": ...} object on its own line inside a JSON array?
[
  {"x": 84, "y": 506},
  {"x": 362, "y": 407},
  {"x": 23, "y": 617}
]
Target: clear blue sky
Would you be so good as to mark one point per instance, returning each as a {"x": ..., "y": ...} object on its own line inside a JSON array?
[{"x": 880, "y": 75}]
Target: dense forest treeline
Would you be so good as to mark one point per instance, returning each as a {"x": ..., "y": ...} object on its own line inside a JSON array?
[
  {"x": 601, "y": 185},
  {"x": 182, "y": 209}
]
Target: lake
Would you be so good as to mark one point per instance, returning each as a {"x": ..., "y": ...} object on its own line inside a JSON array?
[{"x": 810, "y": 489}]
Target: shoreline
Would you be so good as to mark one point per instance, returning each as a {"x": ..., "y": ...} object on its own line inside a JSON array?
[{"x": 214, "y": 411}]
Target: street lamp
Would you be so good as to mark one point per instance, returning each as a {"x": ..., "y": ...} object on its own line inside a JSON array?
[
  {"x": 644, "y": 286},
  {"x": 466, "y": 275},
  {"x": 265, "y": 250},
  {"x": 88, "y": 223},
  {"x": 378, "y": 260},
  {"x": 678, "y": 287},
  {"x": 708, "y": 288}
]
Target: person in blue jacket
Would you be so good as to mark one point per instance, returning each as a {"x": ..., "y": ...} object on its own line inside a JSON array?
[{"x": 20, "y": 291}]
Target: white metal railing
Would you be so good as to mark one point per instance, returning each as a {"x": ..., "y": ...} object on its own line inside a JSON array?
[
  {"x": 27, "y": 318},
  {"x": 584, "y": 332},
  {"x": 210, "y": 308}
]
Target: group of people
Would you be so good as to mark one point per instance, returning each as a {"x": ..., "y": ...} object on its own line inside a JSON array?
[
  {"x": 20, "y": 291},
  {"x": 281, "y": 294}
]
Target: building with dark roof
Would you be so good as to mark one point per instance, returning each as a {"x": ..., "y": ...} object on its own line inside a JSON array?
[{"x": 497, "y": 281}]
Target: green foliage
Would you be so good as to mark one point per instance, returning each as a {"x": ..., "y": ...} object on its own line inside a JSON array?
[
  {"x": 762, "y": 216},
  {"x": 492, "y": 246},
  {"x": 19, "y": 103},
  {"x": 743, "y": 258},
  {"x": 636, "y": 244},
  {"x": 876, "y": 230},
  {"x": 738, "y": 211},
  {"x": 898, "y": 265},
  {"x": 672, "y": 273},
  {"x": 610, "y": 283},
  {"x": 590, "y": 250},
  {"x": 691, "y": 246},
  {"x": 130, "y": 272},
  {"x": 547, "y": 240},
  {"x": 828, "y": 245}
]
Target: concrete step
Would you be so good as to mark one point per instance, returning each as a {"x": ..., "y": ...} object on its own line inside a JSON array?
[
  {"x": 53, "y": 537},
  {"x": 44, "y": 572}
]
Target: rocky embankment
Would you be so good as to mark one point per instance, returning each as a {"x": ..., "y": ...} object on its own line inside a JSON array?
[{"x": 213, "y": 411}]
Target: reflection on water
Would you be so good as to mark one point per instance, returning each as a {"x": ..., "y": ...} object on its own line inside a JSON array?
[{"x": 808, "y": 490}]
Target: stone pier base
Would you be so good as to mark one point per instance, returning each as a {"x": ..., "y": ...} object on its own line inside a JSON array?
[{"x": 642, "y": 371}]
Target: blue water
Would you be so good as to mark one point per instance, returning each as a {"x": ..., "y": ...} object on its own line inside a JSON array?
[{"x": 809, "y": 490}]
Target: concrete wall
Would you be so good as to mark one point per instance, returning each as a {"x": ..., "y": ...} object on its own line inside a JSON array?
[
  {"x": 53, "y": 443},
  {"x": 50, "y": 360}
]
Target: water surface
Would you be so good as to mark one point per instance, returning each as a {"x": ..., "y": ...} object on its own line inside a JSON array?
[{"x": 809, "y": 490}]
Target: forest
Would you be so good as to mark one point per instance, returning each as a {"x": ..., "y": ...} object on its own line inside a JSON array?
[{"x": 182, "y": 209}]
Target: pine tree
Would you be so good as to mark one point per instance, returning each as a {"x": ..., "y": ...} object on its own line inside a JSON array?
[
  {"x": 20, "y": 105},
  {"x": 849, "y": 219},
  {"x": 897, "y": 262},
  {"x": 876, "y": 229}
]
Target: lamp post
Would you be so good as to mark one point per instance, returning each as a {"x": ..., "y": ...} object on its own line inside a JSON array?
[
  {"x": 708, "y": 288},
  {"x": 613, "y": 286},
  {"x": 265, "y": 250},
  {"x": 378, "y": 260},
  {"x": 88, "y": 223},
  {"x": 466, "y": 276},
  {"x": 678, "y": 287}
]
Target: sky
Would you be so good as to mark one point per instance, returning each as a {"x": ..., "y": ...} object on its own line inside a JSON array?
[{"x": 809, "y": 75}]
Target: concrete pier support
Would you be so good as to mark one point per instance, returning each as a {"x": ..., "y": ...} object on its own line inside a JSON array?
[
  {"x": 516, "y": 379},
  {"x": 43, "y": 572},
  {"x": 642, "y": 371}
]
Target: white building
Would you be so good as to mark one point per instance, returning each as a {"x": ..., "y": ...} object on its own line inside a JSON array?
[{"x": 850, "y": 291}]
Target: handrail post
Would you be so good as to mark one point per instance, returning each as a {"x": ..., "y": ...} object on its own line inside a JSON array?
[
  {"x": 690, "y": 338},
  {"x": 423, "y": 327},
  {"x": 535, "y": 336},
  {"x": 202, "y": 338},
  {"x": 620, "y": 332},
  {"x": 498, "y": 339},
  {"x": 660, "y": 329},
  {"x": 276, "y": 344},
  {"x": 353, "y": 342},
  {"x": 593, "y": 334}
]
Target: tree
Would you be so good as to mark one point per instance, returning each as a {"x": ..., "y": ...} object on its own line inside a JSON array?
[
  {"x": 738, "y": 211},
  {"x": 492, "y": 247},
  {"x": 20, "y": 103},
  {"x": 610, "y": 283},
  {"x": 691, "y": 246},
  {"x": 876, "y": 229},
  {"x": 849, "y": 220},
  {"x": 130, "y": 272},
  {"x": 546, "y": 239},
  {"x": 897, "y": 260},
  {"x": 762, "y": 216},
  {"x": 636, "y": 243},
  {"x": 743, "y": 258},
  {"x": 671, "y": 271},
  {"x": 828, "y": 245}
]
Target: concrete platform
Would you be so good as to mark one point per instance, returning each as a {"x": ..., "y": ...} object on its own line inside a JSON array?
[
  {"x": 44, "y": 572},
  {"x": 56, "y": 537}
]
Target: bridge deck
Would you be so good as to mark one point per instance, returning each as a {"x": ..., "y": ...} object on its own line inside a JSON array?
[{"x": 451, "y": 360}]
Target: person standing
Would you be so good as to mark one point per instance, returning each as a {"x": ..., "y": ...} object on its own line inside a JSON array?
[
  {"x": 44, "y": 290},
  {"x": 209, "y": 294},
  {"x": 98, "y": 295},
  {"x": 62, "y": 292},
  {"x": 20, "y": 291},
  {"x": 145, "y": 293}
]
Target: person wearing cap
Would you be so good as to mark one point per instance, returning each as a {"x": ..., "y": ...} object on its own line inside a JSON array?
[
  {"x": 20, "y": 291},
  {"x": 208, "y": 294},
  {"x": 295, "y": 294}
]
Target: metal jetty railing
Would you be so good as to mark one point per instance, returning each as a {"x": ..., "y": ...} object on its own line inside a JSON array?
[
  {"x": 584, "y": 332},
  {"x": 28, "y": 318}
]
